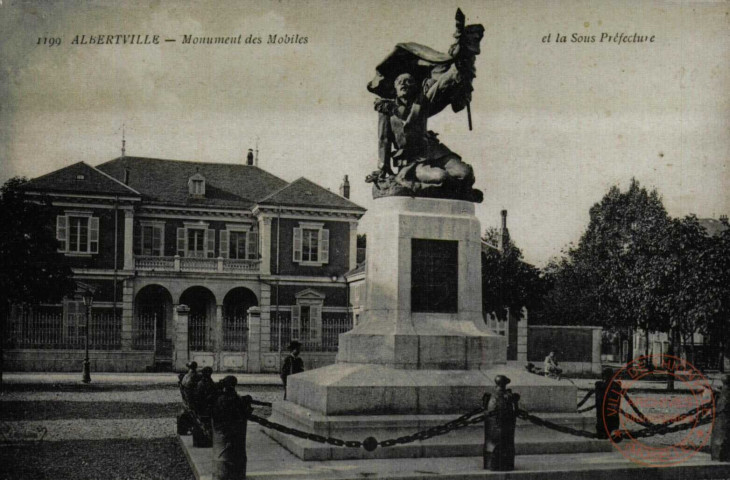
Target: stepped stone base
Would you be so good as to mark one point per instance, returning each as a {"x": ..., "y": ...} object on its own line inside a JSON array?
[
  {"x": 353, "y": 402},
  {"x": 465, "y": 442},
  {"x": 358, "y": 389}
]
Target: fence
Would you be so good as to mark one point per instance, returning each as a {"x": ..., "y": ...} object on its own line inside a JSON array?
[
  {"x": 235, "y": 333},
  {"x": 143, "y": 331},
  {"x": 328, "y": 341},
  {"x": 47, "y": 328},
  {"x": 199, "y": 337}
]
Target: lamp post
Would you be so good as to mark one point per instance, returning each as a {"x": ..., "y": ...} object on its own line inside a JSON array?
[{"x": 88, "y": 297}]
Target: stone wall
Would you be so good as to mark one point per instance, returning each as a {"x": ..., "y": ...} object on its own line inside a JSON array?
[
  {"x": 72, "y": 361},
  {"x": 577, "y": 348}
]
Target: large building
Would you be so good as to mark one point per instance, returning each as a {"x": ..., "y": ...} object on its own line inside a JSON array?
[{"x": 219, "y": 263}]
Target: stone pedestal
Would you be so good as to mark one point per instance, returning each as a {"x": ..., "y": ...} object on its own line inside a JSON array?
[
  {"x": 414, "y": 360},
  {"x": 393, "y": 331}
]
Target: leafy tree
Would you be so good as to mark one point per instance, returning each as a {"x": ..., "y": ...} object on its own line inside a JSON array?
[
  {"x": 610, "y": 278},
  {"x": 508, "y": 282},
  {"x": 571, "y": 295},
  {"x": 717, "y": 260},
  {"x": 635, "y": 267},
  {"x": 31, "y": 269}
]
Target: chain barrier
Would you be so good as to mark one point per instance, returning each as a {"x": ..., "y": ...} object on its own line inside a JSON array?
[
  {"x": 637, "y": 421},
  {"x": 644, "y": 419},
  {"x": 663, "y": 429},
  {"x": 585, "y": 399},
  {"x": 523, "y": 414},
  {"x": 583, "y": 410},
  {"x": 650, "y": 430},
  {"x": 371, "y": 443}
]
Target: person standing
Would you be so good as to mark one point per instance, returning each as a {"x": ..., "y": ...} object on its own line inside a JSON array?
[
  {"x": 293, "y": 364},
  {"x": 230, "y": 414},
  {"x": 189, "y": 382}
]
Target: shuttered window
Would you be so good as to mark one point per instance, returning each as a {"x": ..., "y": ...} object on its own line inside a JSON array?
[
  {"x": 148, "y": 240},
  {"x": 77, "y": 233},
  {"x": 311, "y": 245},
  {"x": 196, "y": 242}
]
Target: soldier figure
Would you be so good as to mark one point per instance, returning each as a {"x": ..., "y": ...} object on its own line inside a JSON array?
[
  {"x": 229, "y": 418},
  {"x": 413, "y": 84},
  {"x": 499, "y": 427}
]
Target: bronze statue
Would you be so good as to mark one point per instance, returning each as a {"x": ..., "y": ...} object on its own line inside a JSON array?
[
  {"x": 499, "y": 427},
  {"x": 413, "y": 84}
]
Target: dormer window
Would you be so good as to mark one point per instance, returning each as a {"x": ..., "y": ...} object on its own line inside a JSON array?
[{"x": 196, "y": 185}]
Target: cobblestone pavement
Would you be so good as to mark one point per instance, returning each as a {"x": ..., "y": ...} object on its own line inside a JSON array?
[{"x": 49, "y": 432}]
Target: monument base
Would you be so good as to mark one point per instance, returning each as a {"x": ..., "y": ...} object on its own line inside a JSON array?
[
  {"x": 422, "y": 355},
  {"x": 353, "y": 402}
]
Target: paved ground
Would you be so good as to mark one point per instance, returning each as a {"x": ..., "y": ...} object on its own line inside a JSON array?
[
  {"x": 120, "y": 426},
  {"x": 129, "y": 378},
  {"x": 267, "y": 460},
  {"x": 123, "y": 426}
]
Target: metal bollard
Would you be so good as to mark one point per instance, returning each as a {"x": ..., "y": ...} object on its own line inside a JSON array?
[
  {"x": 499, "y": 427},
  {"x": 229, "y": 421},
  {"x": 607, "y": 405},
  {"x": 720, "y": 439}
]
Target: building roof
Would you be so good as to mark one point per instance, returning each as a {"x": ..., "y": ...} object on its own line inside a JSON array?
[
  {"x": 712, "y": 226},
  {"x": 166, "y": 181},
  {"x": 80, "y": 178},
  {"x": 304, "y": 193}
]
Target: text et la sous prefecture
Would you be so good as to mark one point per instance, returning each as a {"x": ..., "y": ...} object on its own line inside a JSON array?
[{"x": 151, "y": 39}]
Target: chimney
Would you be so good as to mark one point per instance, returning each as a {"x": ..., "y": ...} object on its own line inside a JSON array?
[
  {"x": 504, "y": 233},
  {"x": 345, "y": 188},
  {"x": 249, "y": 157},
  {"x": 126, "y": 175}
]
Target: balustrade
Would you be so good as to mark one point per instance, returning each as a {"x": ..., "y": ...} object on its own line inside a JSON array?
[{"x": 195, "y": 264}]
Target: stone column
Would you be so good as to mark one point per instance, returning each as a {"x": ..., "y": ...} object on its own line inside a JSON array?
[
  {"x": 181, "y": 355},
  {"x": 128, "y": 239},
  {"x": 265, "y": 247},
  {"x": 596, "y": 352},
  {"x": 127, "y": 314},
  {"x": 254, "y": 340},
  {"x": 353, "y": 245},
  {"x": 217, "y": 337},
  {"x": 522, "y": 337}
]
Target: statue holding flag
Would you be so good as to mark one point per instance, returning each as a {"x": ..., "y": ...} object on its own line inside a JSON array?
[{"x": 414, "y": 83}]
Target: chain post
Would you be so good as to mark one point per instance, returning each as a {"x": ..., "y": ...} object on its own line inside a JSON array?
[
  {"x": 608, "y": 403},
  {"x": 720, "y": 440}
]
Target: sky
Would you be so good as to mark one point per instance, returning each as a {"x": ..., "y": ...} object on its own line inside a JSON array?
[{"x": 555, "y": 125}]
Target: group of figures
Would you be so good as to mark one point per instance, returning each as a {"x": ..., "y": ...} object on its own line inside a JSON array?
[
  {"x": 220, "y": 414},
  {"x": 414, "y": 83}
]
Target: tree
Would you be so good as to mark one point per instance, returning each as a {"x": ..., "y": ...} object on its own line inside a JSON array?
[
  {"x": 610, "y": 278},
  {"x": 31, "y": 269},
  {"x": 717, "y": 326},
  {"x": 508, "y": 282}
]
